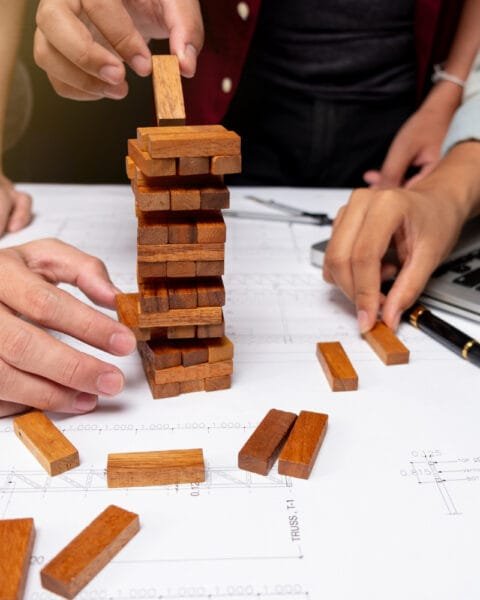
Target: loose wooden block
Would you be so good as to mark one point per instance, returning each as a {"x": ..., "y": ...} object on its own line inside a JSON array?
[
  {"x": 226, "y": 165},
  {"x": 181, "y": 232},
  {"x": 303, "y": 444},
  {"x": 200, "y": 371},
  {"x": 127, "y": 312},
  {"x": 167, "y": 89},
  {"x": 46, "y": 442},
  {"x": 211, "y": 331},
  {"x": 263, "y": 446},
  {"x": 152, "y": 228},
  {"x": 144, "y": 133},
  {"x": 159, "y": 167},
  {"x": 211, "y": 268},
  {"x": 193, "y": 165},
  {"x": 165, "y": 467},
  {"x": 88, "y": 553},
  {"x": 181, "y": 333},
  {"x": 214, "y": 198},
  {"x": 16, "y": 543},
  {"x": 148, "y": 199},
  {"x": 154, "y": 297},
  {"x": 386, "y": 344},
  {"x": 205, "y": 143},
  {"x": 185, "y": 199},
  {"x": 205, "y": 315},
  {"x": 210, "y": 292},
  {"x": 146, "y": 271},
  {"x": 181, "y": 269},
  {"x": 180, "y": 252},
  {"x": 182, "y": 294},
  {"x": 215, "y": 384},
  {"x": 160, "y": 355},
  {"x": 337, "y": 367},
  {"x": 211, "y": 229}
]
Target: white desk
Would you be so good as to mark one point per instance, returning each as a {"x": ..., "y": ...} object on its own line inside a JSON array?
[{"x": 392, "y": 509}]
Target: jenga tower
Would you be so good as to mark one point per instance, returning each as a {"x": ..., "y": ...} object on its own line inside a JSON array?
[{"x": 177, "y": 178}]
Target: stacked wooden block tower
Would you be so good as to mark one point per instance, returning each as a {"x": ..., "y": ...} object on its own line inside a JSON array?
[{"x": 177, "y": 173}]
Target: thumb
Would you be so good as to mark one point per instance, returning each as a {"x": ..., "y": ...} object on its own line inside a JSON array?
[{"x": 183, "y": 20}]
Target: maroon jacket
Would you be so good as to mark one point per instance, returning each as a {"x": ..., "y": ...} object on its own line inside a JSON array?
[{"x": 229, "y": 28}]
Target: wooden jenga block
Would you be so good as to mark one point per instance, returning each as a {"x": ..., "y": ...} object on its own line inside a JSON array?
[
  {"x": 160, "y": 355},
  {"x": 165, "y": 467},
  {"x": 144, "y": 133},
  {"x": 127, "y": 312},
  {"x": 146, "y": 271},
  {"x": 182, "y": 333},
  {"x": 386, "y": 344},
  {"x": 226, "y": 165},
  {"x": 209, "y": 268},
  {"x": 219, "y": 349},
  {"x": 181, "y": 269},
  {"x": 263, "y": 446},
  {"x": 129, "y": 167},
  {"x": 211, "y": 229},
  {"x": 180, "y": 252},
  {"x": 182, "y": 294},
  {"x": 210, "y": 292},
  {"x": 148, "y": 199},
  {"x": 205, "y": 315},
  {"x": 214, "y": 198},
  {"x": 88, "y": 553},
  {"x": 200, "y": 371},
  {"x": 46, "y": 442},
  {"x": 193, "y": 165},
  {"x": 167, "y": 89},
  {"x": 337, "y": 367},
  {"x": 215, "y": 384},
  {"x": 211, "y": 331},
  {"x": 181, "y": 232},
  {"x": 186, "y": 387},
  {"x": 206, "y": 143},
  {"x": 194, "y": 353},
  {"x": 152, "y": 228},
  {"x": 16, "y": 543},
  {"x": 154, "y": 297},
  {"x": 159, "y": 167},
  {"x": 303, "y": 444},
  {"x": 185, "y": 199}
]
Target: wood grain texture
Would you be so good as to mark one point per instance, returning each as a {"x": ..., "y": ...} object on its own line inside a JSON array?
[
  {"x": 129, "y": 167},
  {"x": 144, "y": 133},
  {"x": 200, "y": 371},
  {"x": 182, "y": 293},
  {"x": 210, "y": 292},
  {"x": 151, "y": 167},
  {"x": 146, "y": 271},
  {"x": 215, "y": 384},
  {"x": 386, "y": 345},
  {"x": 303, "y": 444},
  {"x": 337, "y": 367},
  {"x": 187, "y": 387},
  {"x": 206, "y": 143},
  {"x": 127, "y": 312},
  {"x": 263, "y": 446},
  {"x": 46, "y": 442},
  {"x": 167, "y": 90},
  {"x": 219, "y": 349},
  {"x": 164, "y": 467},
  {"x": 160, "y": 355},
  {"x": 153, "y": 253},
  {"x": 226, "y": 165},
  {"x": 185, "y": 199},
  {"x": 211, "y": 331},
  {"x": 89, "y": 552},
  {"x": 204, "y": 315},
  {"x": 181, "y": 231},
  {"x": 181, "y": 268},
  {"x": 16, "y": 543},
  {"x": 193, "y": 165},
  {"x": 151, "y": 199},
  {"x": 214, "y": 198},
  {"x": 154, "y": 297},
  {"x": 211, "y": 229},
  {"x": 152, "y": 228},
  {"x": 210, "y": 268},
  {"x": 194, "y": 352},
  {"x": 181, "y": 333}
]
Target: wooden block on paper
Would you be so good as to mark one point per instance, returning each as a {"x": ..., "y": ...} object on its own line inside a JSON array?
[
  {"x": 211, "y": 229},
  {"x": 210, "y": 268},
  {"x": 182, "y": 294},
  {"x": 206, "y": 315},
  {"x": 303, "y": 444},
  {"x": 160, "y": 355},
  {"x": 180, "y": 252},
  {"x": 201, "y": 371},
  {"x": 154, "y": 297},
  {"x": 16, "y": 543},
  {"x": 146, "y": 271},
  {"x": 185, "y": 199},
  {"x": 151, "y": 167},
  {"x": 167, "y": 89},
  {"x": 181, "y": 269},
  {"x": 219, "y": 349},
  {"x": 164, "y": 467},
  {"x": 88, "y": 553},
  {"x": 181, "y": 232},
  {"x": 144, "y": 133},
  {"x": 181, "y": 333},
  {"x": 205, "y": 143},
  {"x": 152, "y": 228},
  {"x": 193, "y": 165},
  {"x": 210, "y": 292},
  {"x": 226, "y": 165},
  {"x": 211, "y": 331},
  {"x": 127, "y": 311},
  {"x": 337, "y": 367},
  {"x": 187, "y": 387},
  {"x": 263, "y": 446},
  {"x": 46, "y": 442},
  {"x": 386, "y": 344},
  {"x": 215, "y": 384},
  {"x": 214, "y": 198},
  {"x": 148, "y": 199}
]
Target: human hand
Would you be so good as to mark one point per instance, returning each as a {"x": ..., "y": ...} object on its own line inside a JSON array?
[
  {"x": 15, "y": 207},
  {"x": 83, "y": 45},
  {"x": 422, "y": 225},
  {"x": 36, "y": 369}
]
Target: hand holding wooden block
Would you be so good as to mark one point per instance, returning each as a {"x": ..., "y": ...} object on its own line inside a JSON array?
[{"x": 385, "y": 343}]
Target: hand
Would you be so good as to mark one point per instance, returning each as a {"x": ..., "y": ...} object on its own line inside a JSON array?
[
  {"x": 36, "y": 369},
  {"x": 83, "y": 44},
  {"x": 15, "y": 207},
  {"x": 423, "y": 226}
]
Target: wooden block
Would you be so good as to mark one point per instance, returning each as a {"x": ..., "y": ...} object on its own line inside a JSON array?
[
  {"x": 194, "y": 353},
  {"x": 187, "y": 387},
  {"x": 154, "y": 297},
  {"x": 16, "y": 543},
  {"x": 181, "y": 269},
  {"x": 337, "y": 367},
  {"x": 219, "y": 349},
  {"x": 211, "y": 331},
  {"x": 215, "y": 384},
  {"x": 205, "y": 143},
  {"x": 146, "y": 271},
  {"x": 209, "y": 268},
  {"x": 226, "y": 165},
  {"x": 87, "y": 554},
  {"x": 386, "y": 344},
  {"x": 159, "y": 392},
  {"x": 206, "y": 315},
  {"x": 144, "y": 133},
  {"x": 129, "y": 167},
  {"x": 185, "y": 199},
  {"x": 201, "y": 371},
  {"x": 165, "y": 467},
  {"x": 148, "y": 199},
  {"x": 127, "y": 311},
  {"x": 210, "y": 292},
  {"x": 303, "y": 444},
  {"x": 263, "y": 446},
  {"x": 46, "y": 442},
  {"x": 214, "y": 198},
  {"x": 167, "y": 89},
  {"x": 181, "y": 232},
  {"x": 181, "y": 333},
  {"x": 160, "y": 355},
  {"x": 151, "y": 167},
  {"x": 211, "y": 229},
  {"x": 154, "y": 253},
  {"x": 182, "y": 294},
  {"x": 152, "y": 228},
  {"x": 193, "y": 165}
]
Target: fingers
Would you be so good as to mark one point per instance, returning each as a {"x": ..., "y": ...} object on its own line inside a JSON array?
[
  {"x": 424, "y": 171},
  {"x": 6, "y": 203},
  {"x": 399, "y": 157},
  {"x": 21, "y": 214},
  {"x": 183, "y": 19},
  {"x": 372, "y": 178},
  {"x": 7, "y": 409}
]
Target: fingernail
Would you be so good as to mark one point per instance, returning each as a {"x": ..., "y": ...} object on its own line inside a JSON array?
[
  {"x": 141, "y": 64},
  {"x": 110, "y": 383},
  {"x": 111, "y": 74},
  {"x": 84, "y": 402},
  {"x": 123, "y": 343},
  {"x": 363, "y": 321}
]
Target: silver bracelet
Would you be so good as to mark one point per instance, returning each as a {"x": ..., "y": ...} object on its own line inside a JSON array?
[{"x": 440, "y": 74}]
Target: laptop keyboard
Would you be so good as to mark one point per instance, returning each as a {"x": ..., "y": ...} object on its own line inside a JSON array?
[{"x": 469, "y": 274}]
